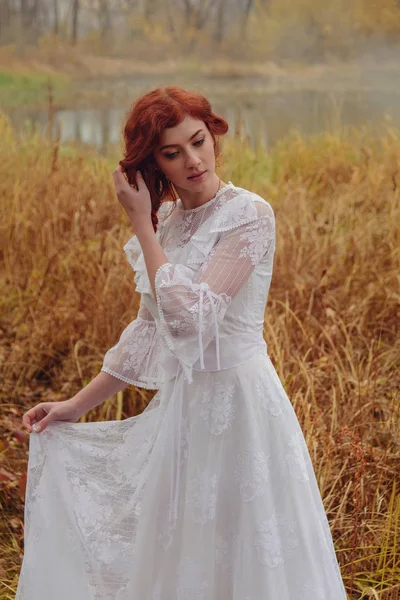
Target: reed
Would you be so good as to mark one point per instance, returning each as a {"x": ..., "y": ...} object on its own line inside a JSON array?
[{"x": 331, "y": 322}]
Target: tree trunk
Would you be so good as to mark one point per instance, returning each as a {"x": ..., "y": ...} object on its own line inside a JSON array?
[
  {"x": 188, "y": 12},
  {"x": 75, "y": 13},
  {"x": 220, "y": 22},
  {"x": 24, "y": 15},
  {"x": 170, "y": 21},
  {"x": 105, "y": 20},
  {"x": 246, "y": 15},
  {"x": 4, "y": 16},
  {"x": 56, "y": 17},
  {"x": 150, "y": 9}
]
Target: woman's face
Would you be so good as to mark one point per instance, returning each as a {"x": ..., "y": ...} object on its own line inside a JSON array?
[{"x": 187, "y": 150}]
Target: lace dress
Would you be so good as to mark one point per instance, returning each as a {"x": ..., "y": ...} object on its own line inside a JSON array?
[{"x": 210, "y": 493}]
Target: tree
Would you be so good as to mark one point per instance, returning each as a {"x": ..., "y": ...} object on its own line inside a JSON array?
[
  {"x": 56, "y": 17},
  {"x": 105, "y": 22},
  {"x": 220, "y": 22},
  {"x": 75, "y": 14}
]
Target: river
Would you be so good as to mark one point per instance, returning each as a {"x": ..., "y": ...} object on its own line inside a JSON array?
[{"x": 263, "y": 109}]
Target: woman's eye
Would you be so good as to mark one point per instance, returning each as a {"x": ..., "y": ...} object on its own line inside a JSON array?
[{"x": 173, "y": 154}]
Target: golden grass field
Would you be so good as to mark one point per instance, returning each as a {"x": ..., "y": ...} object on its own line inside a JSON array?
[{"x": 331, "y": 324}]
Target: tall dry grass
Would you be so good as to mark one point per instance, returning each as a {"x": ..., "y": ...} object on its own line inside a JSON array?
[{"x": 331, "y": 322}]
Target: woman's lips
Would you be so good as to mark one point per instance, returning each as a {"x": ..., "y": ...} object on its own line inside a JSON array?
[{"x": 197, "y": 177}]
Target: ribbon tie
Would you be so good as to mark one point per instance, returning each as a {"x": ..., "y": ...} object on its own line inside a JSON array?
[{"x": 176, "y": 430}]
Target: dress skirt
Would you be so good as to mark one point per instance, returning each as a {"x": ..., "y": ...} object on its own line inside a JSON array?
[{"x": 250, "y": 522}]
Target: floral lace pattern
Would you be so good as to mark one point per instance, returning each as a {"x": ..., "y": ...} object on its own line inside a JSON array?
[
  {"x": 269, "y": 400},
  {"x": 202, "y": 494},
  {"x": 254, "y": 237},
  {"x": 225, "y": 549},
  {"x": 252, "y": 473},
  {"x": 183, "y": 224},
  {"x": 275, "y": 535},
  {"x": 218, "y": 410},
  {"x": 136, "y": 356}
]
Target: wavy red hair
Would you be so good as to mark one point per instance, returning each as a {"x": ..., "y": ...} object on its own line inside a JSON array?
[{"x": 149, "y": 116}]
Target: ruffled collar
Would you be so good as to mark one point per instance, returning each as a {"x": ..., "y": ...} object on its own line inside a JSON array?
[{"x": 185, "y": 211}]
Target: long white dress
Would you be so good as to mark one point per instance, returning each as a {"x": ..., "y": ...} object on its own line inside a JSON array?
[{"x": 210, "y": 493}]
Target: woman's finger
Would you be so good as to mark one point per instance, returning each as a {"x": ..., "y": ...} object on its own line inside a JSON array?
[
  {"x": 141, "y": 184},
  {"x": 42, "y": 424},
  {"x": 32, "y": 416},
  {"x": 117, "y": 174},
  {"x": 120, "y": 181}
]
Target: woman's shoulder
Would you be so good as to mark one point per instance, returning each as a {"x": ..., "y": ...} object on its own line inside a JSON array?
[
  {"x": 253, "y": 197},
  {"x": 241, "y": 206},
  {"x": 166, "y": 209}
]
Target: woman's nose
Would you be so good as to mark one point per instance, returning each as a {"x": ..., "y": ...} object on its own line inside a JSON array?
[{"x": 192, "y": 160}]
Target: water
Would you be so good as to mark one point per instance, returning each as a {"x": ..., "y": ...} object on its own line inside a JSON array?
[{"x": 263, "y": 114}]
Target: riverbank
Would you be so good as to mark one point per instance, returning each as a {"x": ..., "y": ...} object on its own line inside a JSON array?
[{"x": 82, "y": 79}]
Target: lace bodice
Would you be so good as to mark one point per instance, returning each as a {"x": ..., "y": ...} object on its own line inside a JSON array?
[{"x": 208, "y": 312}]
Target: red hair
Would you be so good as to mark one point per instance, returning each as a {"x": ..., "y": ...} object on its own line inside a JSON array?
[{"x": 147, "y": 119}]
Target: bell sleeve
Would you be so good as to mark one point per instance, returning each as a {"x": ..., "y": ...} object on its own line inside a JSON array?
[
  {"x": 135, "y": 358},
  {"x": 191, "y": 304}
]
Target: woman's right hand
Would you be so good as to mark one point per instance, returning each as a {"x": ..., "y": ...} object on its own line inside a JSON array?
[{"x": 38, "y": 417}]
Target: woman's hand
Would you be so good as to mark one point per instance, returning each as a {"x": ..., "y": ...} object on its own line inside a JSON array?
[
  {"x": 38, "y": 417},
  {"x": 136, "y": 203}
]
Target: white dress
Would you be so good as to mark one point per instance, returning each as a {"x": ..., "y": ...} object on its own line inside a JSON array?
[{"x": 210, "y": 493}]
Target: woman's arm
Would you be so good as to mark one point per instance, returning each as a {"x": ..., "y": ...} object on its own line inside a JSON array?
[
  {"x": 191, "y": 304},
  {"x": 100, "y": 389},
  {"x": 154, "y": 255}
]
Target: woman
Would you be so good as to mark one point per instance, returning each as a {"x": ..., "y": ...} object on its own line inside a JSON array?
[{"x": 210, "y": 493}]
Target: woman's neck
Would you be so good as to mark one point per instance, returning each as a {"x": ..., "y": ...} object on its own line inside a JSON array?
[{"x": 191, "y": 199}]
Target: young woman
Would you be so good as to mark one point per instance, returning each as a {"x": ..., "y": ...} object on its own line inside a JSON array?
[{"x": 210, "y": 493}]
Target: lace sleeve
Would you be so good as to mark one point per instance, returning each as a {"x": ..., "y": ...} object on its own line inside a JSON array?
[
  {"x": 135, "y": 357},
  {"x": 190, "y": 304}
]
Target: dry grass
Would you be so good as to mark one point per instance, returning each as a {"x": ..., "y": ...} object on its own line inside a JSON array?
[{"x": 331, "y": 323}]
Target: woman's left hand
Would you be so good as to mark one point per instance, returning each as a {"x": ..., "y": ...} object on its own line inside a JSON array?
[{"x": 137, "y": 203}]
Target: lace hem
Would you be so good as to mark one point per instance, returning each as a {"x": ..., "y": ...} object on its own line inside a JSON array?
[{"x": 151, "y": 385}]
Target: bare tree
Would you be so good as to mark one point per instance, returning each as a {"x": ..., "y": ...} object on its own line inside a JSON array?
[
  {"x": 75, "y": 16},
  {"x": 170, "y": 21},
  {"x": 56, "y": 17},
  {"x": 220, "y": 22},
  {"x": 5, "y": 16},
  {"x": 104, "y": 16},
  {"x": 246, "y": 13},
  {"x": 198, "y": 12},
  {"x": 150, "y": 7},
  {"x": 24, "y": 14}
]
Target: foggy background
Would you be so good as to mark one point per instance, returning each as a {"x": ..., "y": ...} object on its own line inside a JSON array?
[{"x": 269, "y": 67}]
